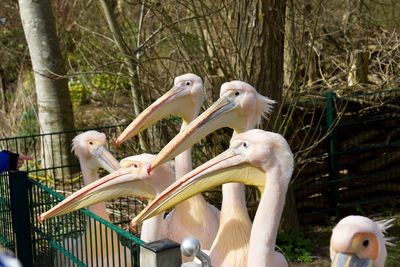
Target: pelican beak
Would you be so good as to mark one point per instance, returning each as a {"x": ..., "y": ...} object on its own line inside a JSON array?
[
  {"x": 227, "y": 167},
  {"x": 105, "y": 159},
  {"x": 350, "y": 260},
  {"x": 123, "y": 182},
  {"x": 161, "y": 108},
  {"x": 223, "y": 113}
]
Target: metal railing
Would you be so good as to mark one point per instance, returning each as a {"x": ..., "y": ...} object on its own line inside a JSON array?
[
  {"x": 79, "y": 238},
  {"x": 355, "y": 169},
  {"x": 7, "y": 239}
]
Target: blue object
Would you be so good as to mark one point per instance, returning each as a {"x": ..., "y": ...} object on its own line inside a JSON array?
[
  {"x": 4, "y": 160},
  {"x": 7, "y": 260},
  {"x": 8, "y": 161}
]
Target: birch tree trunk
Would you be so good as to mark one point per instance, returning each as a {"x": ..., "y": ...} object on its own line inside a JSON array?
[{"x": 53, "y": 99}]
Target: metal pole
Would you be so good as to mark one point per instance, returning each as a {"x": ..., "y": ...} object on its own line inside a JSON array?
[
  {"x": 19, "y": 200},
  {"x": 160, "y": 253},
  {"x": 190, "y": 247},
  {"x": 332, "y": 161}
]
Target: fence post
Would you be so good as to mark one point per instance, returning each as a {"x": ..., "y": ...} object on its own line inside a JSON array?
[
  {"x": 19, "y": 200},
  {"x": 161, "y": 253},
  {"x": 332, "y": 161}
]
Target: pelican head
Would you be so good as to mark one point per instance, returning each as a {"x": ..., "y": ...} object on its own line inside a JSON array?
[
  {"x": 358, "y": 241},
  {"x": 184, "y": 99},
  {"x": 239, "y": 107},
  {"x": 90, "y": 147},
  {"x": 130, "y": 180},
  {"x": 249, "y": 157}
]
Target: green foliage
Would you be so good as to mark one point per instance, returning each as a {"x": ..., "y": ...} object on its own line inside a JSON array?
[
  {"x": 29, "y": 123},
  {"x": 12, "y": 45},
  {"x": 81, "y": 89},
  {"x": 359, "y": 209},
  {"x": 295, "y": 247},
  {"x": 78, "y": 92},
  {"x": 174, "y": 119},
  {"x": 104, "y": 82}
]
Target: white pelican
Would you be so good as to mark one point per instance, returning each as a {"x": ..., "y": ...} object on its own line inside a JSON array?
[
  {"x": 359, "y": 241},
  {"x": 258, "y": 158},
  {"x": 193, "y": 217},
  {"x": 98, "y": 245},
  {"x": 239, "y": 107}
]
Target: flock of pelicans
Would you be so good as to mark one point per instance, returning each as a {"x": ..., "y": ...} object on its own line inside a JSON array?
[{"x": 255, "y": 157}]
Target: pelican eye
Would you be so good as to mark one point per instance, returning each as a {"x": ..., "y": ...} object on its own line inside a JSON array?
[
  {"x": 187, "y": 83},
  {"x": 135, "y": 165},
  {"x": 244, "y": 144},
  {"x": 237, "y": 93},
  {"x": 90, "y": 143},
  {"x": 365, "y": 243}
]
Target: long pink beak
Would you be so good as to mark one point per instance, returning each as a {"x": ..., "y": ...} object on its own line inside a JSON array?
[
  {"x": 123, "y": 182},
  {"x": 166, "y": 105},
  {"x": 220, "y": 114},
  {"x": 230, "y": 166}
]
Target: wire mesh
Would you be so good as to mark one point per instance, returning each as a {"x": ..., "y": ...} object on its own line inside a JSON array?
[
  {"x": 354, "y": 170},
  {"x": 55, "y": 174},
  {"x": 366, "y": 172},
  {"x": 7, "y": 239},
  {"x": 79, "y": 238}
]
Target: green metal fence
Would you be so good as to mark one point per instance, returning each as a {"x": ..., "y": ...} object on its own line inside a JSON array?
[
  {"x": 80, "y": 238},
  {"x": 6, "y": 230},
  {"x": 48, "y": 173},
  {"x": 355, "y": 169}
]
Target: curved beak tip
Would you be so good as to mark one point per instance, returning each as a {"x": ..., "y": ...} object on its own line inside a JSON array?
[
  {"x": 149, "y": 169},
  {"x": 117, "y": 143},
  {"x": 132, "y": 227},
  {"x": 40, "y": 218}
]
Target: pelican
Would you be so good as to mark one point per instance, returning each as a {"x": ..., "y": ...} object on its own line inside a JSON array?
[
  {"x": 239, "y": 107},
  {"x": 98, "y": 245},
  {"x": 130, "y": 180},
  {"x": 90, "y": 149},
  {"x": 359, "y": 241},
  {"x": 193, "y": 217},
  {"x": 257, "y": 158}
]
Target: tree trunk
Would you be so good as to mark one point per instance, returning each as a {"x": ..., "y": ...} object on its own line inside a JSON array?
[
  {"x": 260, "y": 40},
  {"x": 358, "y": 73},
  {"x": 54, "y": 103},
  {"x": 131, "y": 65},
  {"x": 269, "y": 73},
  {"x": 261, "y": 32},
  {"x": 289, "y": 62}
]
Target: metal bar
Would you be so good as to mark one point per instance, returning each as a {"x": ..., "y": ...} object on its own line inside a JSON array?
[
  {"x": 20, "y": 216},
  {"x": 350, "y": 205},
  {"x": 332, "y": 161},
  {"x": 161, "y": 253},
  {"x": 6, "y": 231}
]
